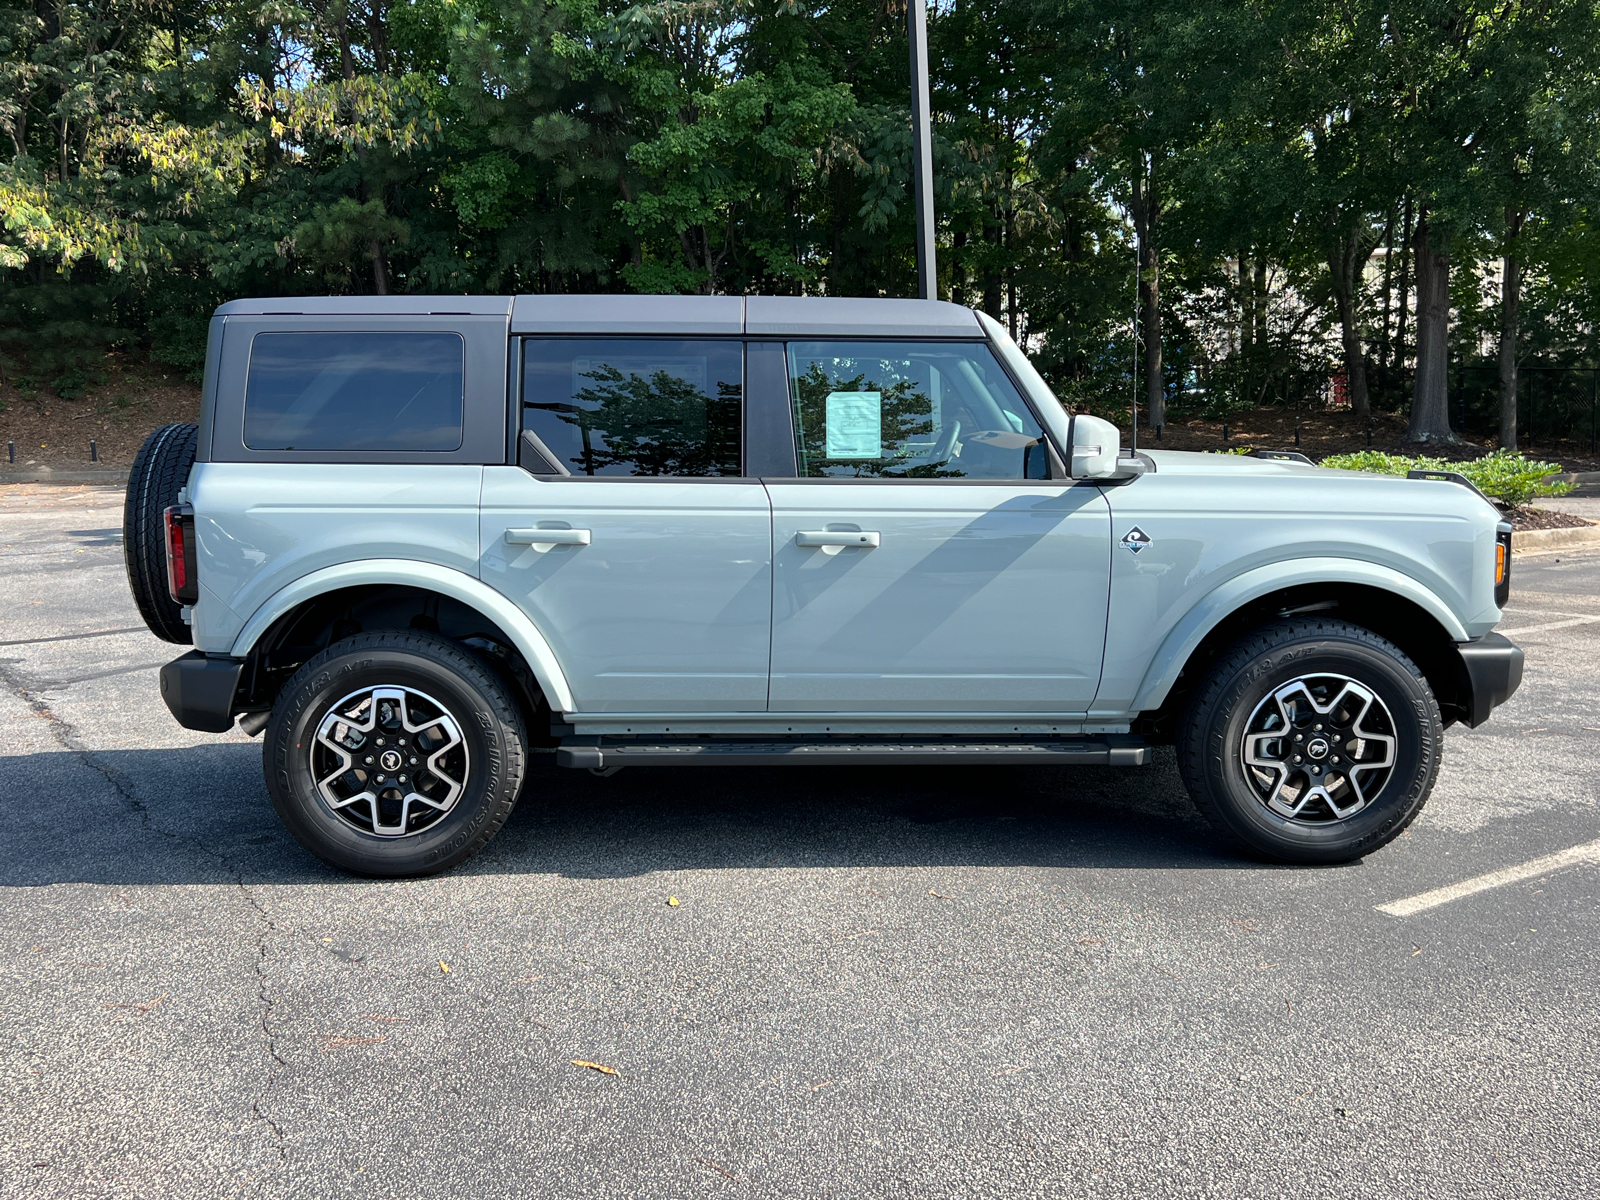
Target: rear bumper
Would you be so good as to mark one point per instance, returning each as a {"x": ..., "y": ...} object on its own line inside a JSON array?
[
  {"x": 1494, "y": 670},
  {"x": 199, "y": 690}
]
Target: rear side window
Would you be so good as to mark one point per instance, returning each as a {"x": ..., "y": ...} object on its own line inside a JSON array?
[
  {"x": 613, "y": 406},
  {"x": 354, "y": 391}
]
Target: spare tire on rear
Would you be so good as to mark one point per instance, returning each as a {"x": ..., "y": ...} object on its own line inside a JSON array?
[{"x": 161, "y": 468}]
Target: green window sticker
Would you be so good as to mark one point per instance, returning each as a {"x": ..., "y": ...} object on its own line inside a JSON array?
[{"x": 854, "y": 423}]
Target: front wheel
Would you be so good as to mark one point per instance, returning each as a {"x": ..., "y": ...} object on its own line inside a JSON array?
[
  {"x": 395, "y": 754},
  {"x": 1312, "y": 742}
]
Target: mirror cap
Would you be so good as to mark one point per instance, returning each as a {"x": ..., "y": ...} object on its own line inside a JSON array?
[{"x": 1096, "y": 447}]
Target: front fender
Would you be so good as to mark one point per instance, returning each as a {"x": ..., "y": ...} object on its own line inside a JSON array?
[
  {"x": 455, "y": 584},
  {"x": 1228, "y": 597}
]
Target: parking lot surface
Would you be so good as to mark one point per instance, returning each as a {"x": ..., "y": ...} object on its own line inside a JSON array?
[{"x": 879, "y": 982}]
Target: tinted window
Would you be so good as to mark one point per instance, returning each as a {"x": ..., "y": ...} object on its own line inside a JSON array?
[
  {"x": 354, "y": 391},
  {"x": 635, "y": 407},
  {"x": 912, "y": 410}
]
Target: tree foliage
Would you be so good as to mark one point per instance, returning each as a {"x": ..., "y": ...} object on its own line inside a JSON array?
[{"x": 1285, "y": 177}]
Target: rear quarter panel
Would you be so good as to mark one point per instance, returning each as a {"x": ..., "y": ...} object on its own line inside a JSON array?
[{"x": 261, "y": 526}]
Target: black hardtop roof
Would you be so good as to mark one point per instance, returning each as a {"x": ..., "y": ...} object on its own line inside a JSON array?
[{"x": 778, "y": 316}]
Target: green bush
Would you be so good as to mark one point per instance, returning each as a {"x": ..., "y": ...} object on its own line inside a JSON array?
[{"x": 1504, "y": 475}]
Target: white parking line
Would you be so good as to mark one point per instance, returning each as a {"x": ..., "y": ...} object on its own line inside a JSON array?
[
  {"x": 1548, "y": 625},
  {"x": 1411, "y": 905}
]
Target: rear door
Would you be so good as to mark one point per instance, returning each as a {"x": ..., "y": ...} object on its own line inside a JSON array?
[
  {"x": 628, "y": 532},
  {"x": 924, "y": 560}
]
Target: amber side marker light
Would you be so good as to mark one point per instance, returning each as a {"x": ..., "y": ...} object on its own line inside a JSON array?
[{"x": 1502, "y": 558}]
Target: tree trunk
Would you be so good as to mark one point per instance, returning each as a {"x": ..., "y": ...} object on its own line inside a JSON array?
[
  {"x": 1346, "y": 260},
  {"x": 992, "y": 303},
  {"x": 1510, "y": 301},
  {"x": 380, "y": 269},
  {"x": 1430, "y": 412},
  {"x": 1146, "y": 215}
]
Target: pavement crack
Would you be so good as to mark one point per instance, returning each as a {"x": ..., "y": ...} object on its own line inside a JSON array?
[
  {"x": 66, "y": 735},
  {"x": 269, "y": 1038}
]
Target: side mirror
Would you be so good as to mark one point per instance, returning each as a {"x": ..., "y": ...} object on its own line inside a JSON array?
[{"x": 1095, "y": 447}]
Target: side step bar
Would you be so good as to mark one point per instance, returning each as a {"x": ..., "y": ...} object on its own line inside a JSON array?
[{"x": 601, "y": 754}]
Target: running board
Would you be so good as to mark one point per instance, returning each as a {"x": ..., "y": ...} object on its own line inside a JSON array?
[{"x": 600, "y": 754}]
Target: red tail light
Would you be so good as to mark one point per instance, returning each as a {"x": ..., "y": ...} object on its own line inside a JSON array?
[{"x": 182, "y": 585}]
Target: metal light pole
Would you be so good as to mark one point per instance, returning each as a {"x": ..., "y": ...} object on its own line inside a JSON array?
[{"x": 922, "y": 149}]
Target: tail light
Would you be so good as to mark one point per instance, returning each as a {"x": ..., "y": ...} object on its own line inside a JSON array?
[
  {"x": 183, "y": 583},
  {"x": 1502, "y": 566}
]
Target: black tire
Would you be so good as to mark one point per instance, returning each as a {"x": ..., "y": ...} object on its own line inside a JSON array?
[
  {"x": 1234, "y": 797},
  {"x": 437, "y": 671},
  {"x": 160, "y": 469}
]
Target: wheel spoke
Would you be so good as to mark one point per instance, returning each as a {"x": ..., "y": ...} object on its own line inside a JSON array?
[
  {"x": 365, "y": 749},
  {"x": 1318, "y": 748}
]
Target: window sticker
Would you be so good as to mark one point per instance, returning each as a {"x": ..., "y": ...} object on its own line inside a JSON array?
[{"x": 854, "y": 424}]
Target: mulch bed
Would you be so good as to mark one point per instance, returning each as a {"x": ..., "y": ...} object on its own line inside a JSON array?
[
  {"x": 118, "y": 414},
  {"x": 1528, "y": 517}
]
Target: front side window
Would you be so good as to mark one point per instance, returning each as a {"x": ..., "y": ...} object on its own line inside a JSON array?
[
  {"x": 354, "y": 391},
  {"x": 910, "y": 410},
  {"x": 647, "y": 406}
]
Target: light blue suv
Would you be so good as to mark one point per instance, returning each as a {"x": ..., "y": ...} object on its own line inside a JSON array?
[{"x": 419, "y": 539}]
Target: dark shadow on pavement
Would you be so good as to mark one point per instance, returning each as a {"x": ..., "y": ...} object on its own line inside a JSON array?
[{"x": 201, "y": 815}]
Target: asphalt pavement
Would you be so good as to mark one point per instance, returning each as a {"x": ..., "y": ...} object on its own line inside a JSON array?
[{"x": 876, "y": 983}]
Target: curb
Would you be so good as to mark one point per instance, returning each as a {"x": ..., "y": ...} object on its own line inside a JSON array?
[
  {"x": 1555, "y": 539},
  {"x": 1579, "y": 477},
  {"x": 48, "y": 475}
]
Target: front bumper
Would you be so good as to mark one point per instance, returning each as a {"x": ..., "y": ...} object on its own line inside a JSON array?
[
  {"x": 1494, "y": 670},
  {"x": 199, "y": 690}
]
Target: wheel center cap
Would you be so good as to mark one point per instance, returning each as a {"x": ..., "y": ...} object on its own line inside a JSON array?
[
  {"x": 1317, "y": 748},
  {"x": 390, "y": 760}
]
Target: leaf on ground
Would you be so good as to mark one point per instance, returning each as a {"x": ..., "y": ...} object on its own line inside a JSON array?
[
  {"x": 719, "y": 1168},
  {"x": 594, "y": 1066},
  {"x": 672, "y": 901},
  {"x": 139, "y": 1007},
  {"x": 937, "y": 895},
  {"x": 444, "y": 967}
]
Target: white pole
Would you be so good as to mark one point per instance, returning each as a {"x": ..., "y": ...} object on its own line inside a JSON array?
[{"x": 922, "y": 149}]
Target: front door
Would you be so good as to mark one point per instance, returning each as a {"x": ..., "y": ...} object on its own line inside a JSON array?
[
  {"x": 924, "y": 561},
  {"x": 627, "y": 534}
]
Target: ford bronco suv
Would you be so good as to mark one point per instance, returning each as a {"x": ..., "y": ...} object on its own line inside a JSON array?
[{"x": 417, "y": 540}]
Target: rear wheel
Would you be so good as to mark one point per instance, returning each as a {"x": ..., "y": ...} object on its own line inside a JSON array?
[
  {"x": 1312, "y": 742},
  {"x": 395, "y": 754},
  {"x": 159, "y": 470}
]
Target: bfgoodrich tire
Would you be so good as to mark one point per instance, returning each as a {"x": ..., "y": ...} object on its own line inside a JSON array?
[
  {"x": 159, "y": 469},
  {"x": 395, "y": 754},
  {"x": 1312, "y": 741}
]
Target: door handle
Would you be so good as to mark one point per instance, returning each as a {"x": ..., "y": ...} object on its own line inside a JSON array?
[
  {"x": 830, "y": 537},
  {"x": 547, "y": 537}
]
